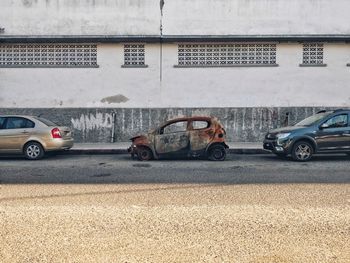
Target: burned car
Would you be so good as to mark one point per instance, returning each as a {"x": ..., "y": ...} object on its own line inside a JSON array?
[{"x": 182, "y": 137}]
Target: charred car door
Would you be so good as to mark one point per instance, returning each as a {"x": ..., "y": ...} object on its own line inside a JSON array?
[
  {"x": 172, "y": 139},
  {"x": 201, "y": 134}
]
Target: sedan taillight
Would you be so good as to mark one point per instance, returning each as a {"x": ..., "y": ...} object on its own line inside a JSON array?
[{"x": 55, "y": 132}]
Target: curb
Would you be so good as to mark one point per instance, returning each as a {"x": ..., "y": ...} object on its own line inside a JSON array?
[{"x": 124, "y": 151}]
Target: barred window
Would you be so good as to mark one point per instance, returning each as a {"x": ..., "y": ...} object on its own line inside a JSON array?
[
  {"x": 134, "y": 55},
  {"x": 216, "y": 55},
  {"x": 48, "y": 55},
  {"x": 313, "y": 54}
]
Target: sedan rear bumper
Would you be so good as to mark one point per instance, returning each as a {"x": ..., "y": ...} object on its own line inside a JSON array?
[{"x": 59, "y": 144}]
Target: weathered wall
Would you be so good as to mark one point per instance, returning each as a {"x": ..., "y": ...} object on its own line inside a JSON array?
[
  {"x": 84, "y": 87},
  {"x": 95, "y": 125},
  {"x": 250, "y": 17},
  {"x": 285, "y": 85},
  {"x": 166, "y": 86},
  {"x": 180, "y": 17},
  {"x": 80, "y": 17}
]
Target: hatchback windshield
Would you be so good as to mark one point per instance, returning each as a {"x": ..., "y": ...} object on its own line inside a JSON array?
[
  {"x": 312, "y": 119},
  {"x": 46, "y": 122}
]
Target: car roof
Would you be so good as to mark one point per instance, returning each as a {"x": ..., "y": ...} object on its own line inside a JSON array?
[
  {"x": 334, "y": 112},
  {"x": 192, "y": 118},
  {"x": 15, "y": 115},
  {"x": 341, "y": 110}
]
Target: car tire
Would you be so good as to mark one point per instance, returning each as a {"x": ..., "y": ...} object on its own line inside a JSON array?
[
  {"x": 217, "y": 153},
  {"x": 33, "y": 151},
  {"x": 144, "y": 154},
  {"x": 302, "y": 151}
]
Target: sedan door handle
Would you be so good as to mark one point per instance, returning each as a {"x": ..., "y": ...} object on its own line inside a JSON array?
[{"x": 24, "y": 132}]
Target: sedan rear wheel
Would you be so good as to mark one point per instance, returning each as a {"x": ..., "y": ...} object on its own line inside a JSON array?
[
  {"x": 302, "y": 151},
  {"x": 33, "y": 151}
]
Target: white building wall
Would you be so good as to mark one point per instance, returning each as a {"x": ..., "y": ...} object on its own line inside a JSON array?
[
  {"x": 84, "y": 87},
  {"x": 256, "y": 17},
  {"x": 167, "y": 86},
  {"x": 80, "y": 17},
  {"x": 285, "y": 85},
  {"x": 180, "y": 17},
  {"x": 162, "y": 85}
]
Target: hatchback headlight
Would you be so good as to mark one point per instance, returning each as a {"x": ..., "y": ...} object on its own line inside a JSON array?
[{"x": 282, "y": 135}]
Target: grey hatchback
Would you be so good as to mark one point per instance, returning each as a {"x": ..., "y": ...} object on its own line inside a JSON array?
[{"x": 324, "y": 132}]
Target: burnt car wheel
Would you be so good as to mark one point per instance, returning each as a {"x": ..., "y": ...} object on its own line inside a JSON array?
[
  {"x": 144, "y": 154},
  {"x": 302, "y": 151},
  {"x": 217, "y": 153},
  {"x": 33, "y": 151}
]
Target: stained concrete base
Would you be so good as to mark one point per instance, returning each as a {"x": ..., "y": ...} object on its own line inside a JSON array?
[
  {"x": 103, "y": 125},
  {"x": 121, "y": 148}
]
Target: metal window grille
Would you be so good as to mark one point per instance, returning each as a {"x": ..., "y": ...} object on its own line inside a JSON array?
[
  {"x": 48, "y": 55},
  {"x": 312, "y": 54},
  {"x": 226, "y": 54},
  {"x": 134, "y": 55}
]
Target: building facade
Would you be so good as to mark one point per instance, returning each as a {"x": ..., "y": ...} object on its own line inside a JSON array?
[{"x": 123, "y": 66}]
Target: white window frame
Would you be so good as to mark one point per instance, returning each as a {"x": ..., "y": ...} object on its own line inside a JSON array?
[
  {"x": 48, "y": 55},
  {"x": 134, "y": 55},
  {"x": 227, "y": 55},
  {"x": 313, "y": 55}
]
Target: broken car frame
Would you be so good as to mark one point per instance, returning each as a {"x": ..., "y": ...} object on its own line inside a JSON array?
[{"x": 182, "y": 137}]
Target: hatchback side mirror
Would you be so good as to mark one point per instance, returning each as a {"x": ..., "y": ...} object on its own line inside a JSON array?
[{"x": 324, "y": 126}]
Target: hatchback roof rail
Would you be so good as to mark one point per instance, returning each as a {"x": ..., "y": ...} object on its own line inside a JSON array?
[{"x": 321, "y": 111}]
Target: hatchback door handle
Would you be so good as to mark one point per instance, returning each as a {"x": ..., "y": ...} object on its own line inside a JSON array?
[{"x": 25, "y": 132}]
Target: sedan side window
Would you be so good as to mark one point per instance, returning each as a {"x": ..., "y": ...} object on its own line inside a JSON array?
[
  {"x": 338, "y": 121},
  {"x": 180, "y": 126},
  {"x": 18, "y": 123}
]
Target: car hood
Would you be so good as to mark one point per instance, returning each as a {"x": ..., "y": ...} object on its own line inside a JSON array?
[
  {"x": 137, "y": 137},
  {"x": 287, "y": 129}
]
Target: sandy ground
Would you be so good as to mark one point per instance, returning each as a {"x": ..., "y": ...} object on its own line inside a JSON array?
[{"x": 175, "y": 223}]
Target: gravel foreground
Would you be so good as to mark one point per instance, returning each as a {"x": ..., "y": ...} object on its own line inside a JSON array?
[{"x": 175, "y": 223}]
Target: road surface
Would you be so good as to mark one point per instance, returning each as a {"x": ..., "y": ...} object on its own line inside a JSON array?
[{"x": 108, "y": 208}]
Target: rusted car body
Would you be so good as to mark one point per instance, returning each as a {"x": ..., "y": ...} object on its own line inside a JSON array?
[{"x": 182, "y": 137}]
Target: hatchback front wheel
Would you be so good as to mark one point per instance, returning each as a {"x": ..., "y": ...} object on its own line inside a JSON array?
[
  {"x": 144, "y": 154},
  {"x": 302, "y": 151}
]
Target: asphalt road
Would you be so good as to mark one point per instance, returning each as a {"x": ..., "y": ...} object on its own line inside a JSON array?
[
  {"x": 237, "y": 169},
  {"x": 109, "y": 208}
]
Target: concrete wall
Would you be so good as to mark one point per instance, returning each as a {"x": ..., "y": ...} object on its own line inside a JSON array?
[
  {"x": 285, "y": 85},
  {"x": 163, "y": 85},
  {"x": 80, "y": 17},
  {"x": 95, "y": 125},
  {"x": 250, "y": 17},
  {"x": 180, "y": 17},
  {"x": 248, "y": 100},
  {"x": 85, "y": 87}
]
